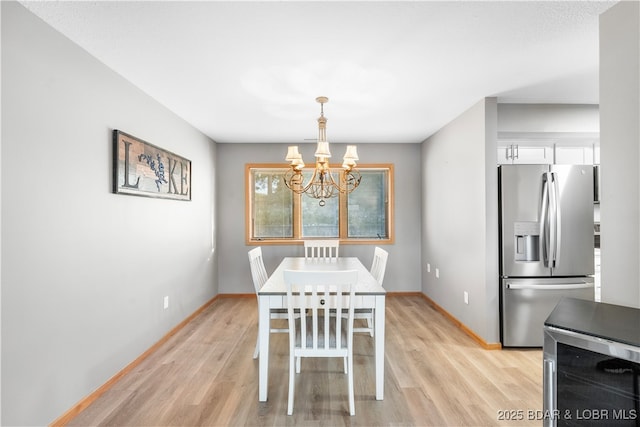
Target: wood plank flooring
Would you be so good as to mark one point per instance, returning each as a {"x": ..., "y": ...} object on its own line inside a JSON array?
[{"x": 435, "y": 375}]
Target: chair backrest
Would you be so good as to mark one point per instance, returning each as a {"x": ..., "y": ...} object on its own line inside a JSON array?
[
  {"x": 258, "y": 272},
  {"x": 379, "y": 264},
  {"x": 321, "y": 249},
  {"x": 320, "y": 293}
]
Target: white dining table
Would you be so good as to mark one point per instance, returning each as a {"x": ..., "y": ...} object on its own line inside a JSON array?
[{"x": 273, "y": 294}]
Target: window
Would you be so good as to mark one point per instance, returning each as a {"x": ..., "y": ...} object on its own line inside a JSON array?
[
  {"x": 366, "y": 207},
  {"x": 274, "y": 203},
  {"x": 275, "y": 214}
]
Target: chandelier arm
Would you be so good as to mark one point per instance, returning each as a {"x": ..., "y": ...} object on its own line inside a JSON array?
[
  {"x": 294, "y": 181},
  {"x": 288, "y": 177},
  {"x": 311, "y": 181},
  {"x": 351, "y": 180},
  {"x": 331, "y": 183}
]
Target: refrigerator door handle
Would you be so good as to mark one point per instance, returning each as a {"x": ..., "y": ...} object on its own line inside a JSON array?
[
  {"x": 544, "y": 220},
  {"x": 557, "y": 219},
  {"x": 561, "y": 287},
  {"x": 553, "y": 219}
]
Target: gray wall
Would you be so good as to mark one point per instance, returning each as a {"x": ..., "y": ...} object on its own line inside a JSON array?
[
  {"x": 460, "y": 202},
  {"x": 403, "y": 268},
  {"x": 550, "y": 119},
  {"x": 459, "y": 223},
  {"x": 84, "y": 271},
  {"x": 620, "y": 153}
]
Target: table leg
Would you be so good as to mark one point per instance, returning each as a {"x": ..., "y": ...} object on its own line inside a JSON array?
[
  {"x": 264, "y": 326},
  {"x": 379, "y": 343}
]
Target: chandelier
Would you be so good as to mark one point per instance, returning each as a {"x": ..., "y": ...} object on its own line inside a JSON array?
[{"x": 323, "y": 184}]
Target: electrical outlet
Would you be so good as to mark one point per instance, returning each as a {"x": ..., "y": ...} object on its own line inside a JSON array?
[
  {"x": 166, "y": 302},
  {"x": 466, "y": 297},
  {"x": 428, "y": 268},
  {"x": 437, "y": 273}
]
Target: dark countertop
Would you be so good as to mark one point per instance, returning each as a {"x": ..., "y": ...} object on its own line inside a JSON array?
[{"x": 612, "y": 322}]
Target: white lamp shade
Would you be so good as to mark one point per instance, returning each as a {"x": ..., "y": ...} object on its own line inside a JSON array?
[
  {"x": 351, "y": 153},
  {"x": 349, "y": 164},
  {"x": 297, "y": 164},
  {"x": 323, "y": 149},
  {"x": 293, "y": 154}
]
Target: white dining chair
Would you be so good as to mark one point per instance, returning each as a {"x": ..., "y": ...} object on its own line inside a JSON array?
[
  {"x": 318, "y": 333},
  {"x": 260, "y": 276},
  {"x": 378, "y": 267},
  {"x": 321, "y": 249}
]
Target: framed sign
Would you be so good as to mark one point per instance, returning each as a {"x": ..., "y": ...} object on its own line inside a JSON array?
[{"x": 142, "y": 169}]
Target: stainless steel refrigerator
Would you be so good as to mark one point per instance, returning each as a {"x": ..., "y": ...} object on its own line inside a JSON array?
[{"x": 546, "y": 245}]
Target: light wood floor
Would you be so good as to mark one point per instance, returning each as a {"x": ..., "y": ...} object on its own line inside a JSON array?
[{"x": 435, "y": 375}]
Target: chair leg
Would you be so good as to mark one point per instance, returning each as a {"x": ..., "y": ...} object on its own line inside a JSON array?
[
  {"x": 291, "y": 384},
  {"x": 346, "y": 368},
  {"x": 352, "y": 405},
  {"x": 370, "y": 322},
  {"x": 257, "y": 350},
  {"x": 298, "y": 361}
]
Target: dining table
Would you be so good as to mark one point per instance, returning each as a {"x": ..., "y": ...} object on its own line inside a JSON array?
[{"x": 369, "y": 295}]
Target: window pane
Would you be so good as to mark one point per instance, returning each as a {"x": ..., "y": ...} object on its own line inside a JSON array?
[
  {"x": 272, "y": 205},
  {"x": 367, "y": 206},
  {"x": 319, "y": 221}
]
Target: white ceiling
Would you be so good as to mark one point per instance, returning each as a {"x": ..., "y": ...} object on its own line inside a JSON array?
[{"x": 394, "y": 71}]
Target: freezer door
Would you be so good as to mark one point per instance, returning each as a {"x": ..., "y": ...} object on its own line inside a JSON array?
[
  {"x": 526, "y": 304},
  {"x": 574, "y": 244},
  {"x": 521, "y": 207}
]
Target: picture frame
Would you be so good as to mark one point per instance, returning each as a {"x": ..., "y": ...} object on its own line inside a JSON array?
[{"x": 143, "y": 169}]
